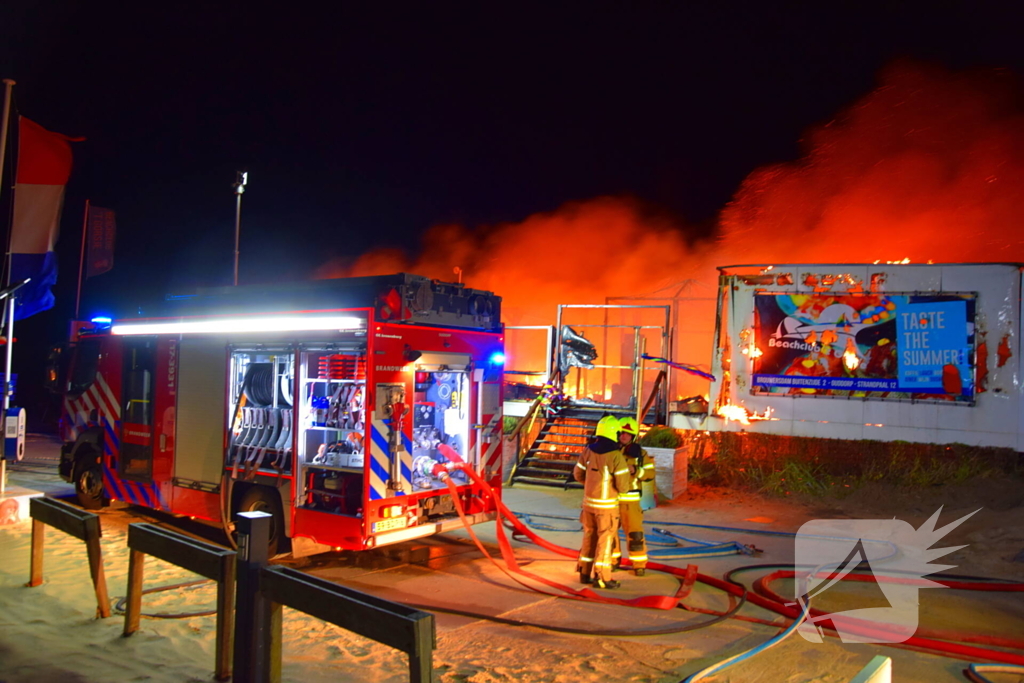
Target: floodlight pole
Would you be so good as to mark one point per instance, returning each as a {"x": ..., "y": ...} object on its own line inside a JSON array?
[{"x": 239, "y": 186}]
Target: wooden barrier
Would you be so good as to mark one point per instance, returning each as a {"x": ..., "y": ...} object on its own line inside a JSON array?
[
  {"x": 389, "y": 623},
  {"x": 262, "y": 590},
  {"x": 204, "y": 559},
  {"x": 82, "y": 525}
]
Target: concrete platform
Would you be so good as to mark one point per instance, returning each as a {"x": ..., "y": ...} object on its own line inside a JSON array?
[{"x": 35, "y": 475}]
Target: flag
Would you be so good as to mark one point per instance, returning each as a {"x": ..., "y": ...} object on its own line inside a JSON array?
[
  {"x": 44, "y": 164},
  {"x": 100, "y": 233}
]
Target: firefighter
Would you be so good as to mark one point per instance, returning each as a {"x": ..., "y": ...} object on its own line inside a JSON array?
[
  {"x": 631, "y": 516},
  {"x": 603, "y": 471}
]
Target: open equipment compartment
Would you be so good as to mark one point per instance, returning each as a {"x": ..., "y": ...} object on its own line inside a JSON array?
[{"x": 333, "y": 429}]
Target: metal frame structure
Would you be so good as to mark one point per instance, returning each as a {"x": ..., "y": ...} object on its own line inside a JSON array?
[
  {"x": 638, "y": 346},
  {"x": 549, "y": 349}
]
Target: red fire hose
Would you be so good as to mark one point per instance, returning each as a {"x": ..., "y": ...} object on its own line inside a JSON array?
[{"x": 936, "y": 641}]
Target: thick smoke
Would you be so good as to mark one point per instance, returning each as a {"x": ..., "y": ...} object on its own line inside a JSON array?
[
  {"x": 579, "y": 254},
  {"x": 928, "y": 166}
]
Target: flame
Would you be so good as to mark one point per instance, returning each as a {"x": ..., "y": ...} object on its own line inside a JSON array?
[
  {"x": 850, "y": 357},
  {"x": 740, "y": 414},
  {"x": 735, "y": 413}
]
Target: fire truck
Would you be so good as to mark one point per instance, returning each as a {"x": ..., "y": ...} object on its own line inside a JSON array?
[{"x": 340, "y": 407}]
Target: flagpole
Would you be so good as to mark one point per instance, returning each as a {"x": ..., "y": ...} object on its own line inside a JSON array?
[
  {"x": 81, "y": 258},
  {"x": 4, "y": 125},
  {"x": 8, "y": 86}
]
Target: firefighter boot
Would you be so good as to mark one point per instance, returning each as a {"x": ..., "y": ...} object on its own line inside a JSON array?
[
  {"x": 601, "y": 583},
  {"x": 638, "y": 552}
]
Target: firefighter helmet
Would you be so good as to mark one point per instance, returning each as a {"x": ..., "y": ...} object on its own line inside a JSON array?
[
  {"x": 629, "y": 425},
  {"x": 608, "y": 427}
]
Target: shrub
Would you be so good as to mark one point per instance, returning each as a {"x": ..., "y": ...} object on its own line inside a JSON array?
[
  {"x": 508, "y": 423},
  {"x": 661, "y": 436}
]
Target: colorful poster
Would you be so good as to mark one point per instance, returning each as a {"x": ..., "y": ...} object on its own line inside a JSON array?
[{"x": 883, "y": 346}]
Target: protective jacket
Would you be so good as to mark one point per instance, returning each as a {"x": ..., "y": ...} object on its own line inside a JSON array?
[
  {"x": 603, "y": 471},
  {"x": 641, "y": 469}
]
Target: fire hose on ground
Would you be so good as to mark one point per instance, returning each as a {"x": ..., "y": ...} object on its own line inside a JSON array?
[
  {"x": 935, "y": 641},
  {"x": 931, "y": 644}
]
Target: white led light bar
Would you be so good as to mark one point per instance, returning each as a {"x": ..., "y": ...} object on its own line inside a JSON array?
[{"x": 222, "y": 325}]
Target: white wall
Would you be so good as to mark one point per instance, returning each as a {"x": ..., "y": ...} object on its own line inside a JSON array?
[{"x": 994, "y": 420}]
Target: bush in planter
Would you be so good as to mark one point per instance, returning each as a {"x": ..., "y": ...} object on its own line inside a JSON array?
[{"x": 661, "y": 436}]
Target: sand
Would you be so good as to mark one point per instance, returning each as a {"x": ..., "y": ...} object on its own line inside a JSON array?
[{"x": 51, "y": 633}]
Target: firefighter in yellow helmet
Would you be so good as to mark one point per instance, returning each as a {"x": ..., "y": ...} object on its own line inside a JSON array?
[
  {"x": 631, "y": 516},
  {"x": 603, "y": 471}
]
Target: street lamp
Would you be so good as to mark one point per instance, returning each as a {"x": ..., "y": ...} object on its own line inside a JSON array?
[{"x": 243, "y": 177}]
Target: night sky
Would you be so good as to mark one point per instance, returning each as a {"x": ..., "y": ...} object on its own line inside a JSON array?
[{"x": 362, "y": 127}]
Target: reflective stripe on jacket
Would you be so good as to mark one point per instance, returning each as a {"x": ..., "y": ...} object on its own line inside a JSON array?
[
  {"x": 641, "y": 468},
  {"x": 603, "y": 476}
]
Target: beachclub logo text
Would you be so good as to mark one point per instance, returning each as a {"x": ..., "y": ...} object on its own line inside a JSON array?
[{"x": 888, "y": 553}]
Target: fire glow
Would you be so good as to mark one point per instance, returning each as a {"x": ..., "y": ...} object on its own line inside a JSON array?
[
  {"x": 735, "y": 413},
  {"x": 850, "y": 357},
  {"x": 928, "y": 153}
]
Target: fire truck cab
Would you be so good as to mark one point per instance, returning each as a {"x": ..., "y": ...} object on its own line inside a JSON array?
[{"x": 338, "y": 406}]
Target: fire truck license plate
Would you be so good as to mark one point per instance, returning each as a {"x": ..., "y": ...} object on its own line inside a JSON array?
[{"x": 390, "y": 524}]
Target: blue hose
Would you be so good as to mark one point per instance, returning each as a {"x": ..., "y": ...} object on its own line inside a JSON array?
[
  {"x": 978, "y": 669},
  {"x": 736, "y": 659}
]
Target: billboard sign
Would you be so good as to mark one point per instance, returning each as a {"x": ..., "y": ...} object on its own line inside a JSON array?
[{"x": 865, "y": 345}]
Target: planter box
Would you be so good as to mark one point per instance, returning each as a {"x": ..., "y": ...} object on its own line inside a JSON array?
[{"x": 670, "y": 470}]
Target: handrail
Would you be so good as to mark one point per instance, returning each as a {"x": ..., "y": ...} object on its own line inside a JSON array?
[
  {"x": 662, "y": 375},
  {"x": 528, "y": 418}
]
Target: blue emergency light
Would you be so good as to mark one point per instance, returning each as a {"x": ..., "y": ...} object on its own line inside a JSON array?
[{"x": 497, "y": 358}]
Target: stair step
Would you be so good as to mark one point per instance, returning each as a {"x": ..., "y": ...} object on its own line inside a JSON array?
[
  {"x": 554, "y": 465},
  {"x": 533, "y": 452},
  {"x": 560, "y": 475},
  {"x": 583, "y": 433},
  {"x": 573, "y": 429},
  {"x": 539, "y": 482}
]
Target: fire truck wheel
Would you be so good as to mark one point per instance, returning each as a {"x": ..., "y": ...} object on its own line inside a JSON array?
[
  {"x": 89, "y": 486},
  {"x": 259, "y": 498}
]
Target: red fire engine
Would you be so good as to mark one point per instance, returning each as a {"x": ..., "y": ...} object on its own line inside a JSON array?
[{"x": 338, "y": 406}]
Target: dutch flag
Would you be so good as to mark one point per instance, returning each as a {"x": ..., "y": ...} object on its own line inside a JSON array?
[{"x": 44, "y": 164}]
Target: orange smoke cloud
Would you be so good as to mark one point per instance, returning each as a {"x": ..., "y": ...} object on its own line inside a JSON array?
[
  {"x": 929, "y": 165},
  {"x": 579, "y": 254}
]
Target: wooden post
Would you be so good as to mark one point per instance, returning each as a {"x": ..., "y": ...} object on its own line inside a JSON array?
[
  {"x": 225, "y": 617},
  {"x": 421, "y": 657},
  {"x": 275, "y": 611},
  {"x": 133, "y": 609},
  {"x": 99, "y": 579},
  {"x": 36, "y": 564}
]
